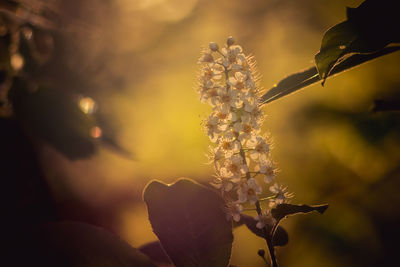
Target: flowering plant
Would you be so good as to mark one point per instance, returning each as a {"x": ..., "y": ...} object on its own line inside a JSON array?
[
  {"x": 199, "y": 233},
  {"x": 229, "y": 83}
]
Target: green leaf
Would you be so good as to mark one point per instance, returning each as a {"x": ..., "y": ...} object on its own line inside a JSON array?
[
  {"x": 281, "y": 237},
  {"x": 189, "y": 221},
  {"x": 369, "y": 28},
  {"x": 75, "y": 244},
  {"x": 291, "y": 84},
  {"x": 283, "y": 210},
  {"x": 302, "y": 79}
]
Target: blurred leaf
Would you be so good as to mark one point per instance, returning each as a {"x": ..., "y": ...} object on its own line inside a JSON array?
[
  {"x": 189, "y": 221},
  {"x": 155, "y": 252},
  {"x": 368, "y": 28},
  {"x": 73, "y": 244},
  {"x": 302, "y": 79},
  {"x": 372, "y": 128},
  {"x": 8, "y": 6},
  {"x": 281, "y": 237},
  {"x": 283, "y": 210},
  {"x": 5, "y": 41},
  {"x": 386, "y": 105},
  {"x": 53, "y": 115}
]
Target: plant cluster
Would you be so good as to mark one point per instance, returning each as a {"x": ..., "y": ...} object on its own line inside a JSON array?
[{"x": 229, "y": 82}]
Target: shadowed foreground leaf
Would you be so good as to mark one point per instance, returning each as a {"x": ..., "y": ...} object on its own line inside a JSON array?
[
  {"x": 154, "y": 251},
  {"x": 189, "y": 221},
  {"x": 75, "y": 244},
  {"x": 283, "y": 210}
]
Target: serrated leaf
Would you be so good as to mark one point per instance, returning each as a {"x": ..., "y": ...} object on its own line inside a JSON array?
[
  {"x": 281, "y": 237},
  {"x": 75, "y": 244},
  {"x": 189, "y": 221},
  {"x": 283, "y": 210}
]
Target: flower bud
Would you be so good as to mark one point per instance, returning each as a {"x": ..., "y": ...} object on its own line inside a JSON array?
[
  {"x": 230, "y": 41},
  {"x": 261, "y": 252},
  {"x": 213, "y": 46},
  {"x": 207, "y": 58}
]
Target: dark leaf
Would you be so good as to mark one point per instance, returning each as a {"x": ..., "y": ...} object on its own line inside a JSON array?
[
  {"x": 336, "y": 43},
  {"x": 5, "y": 42},
  {"x": 9, "y": 6},
  {"x": 291, "y": 84},
  {"x": 190, "y": 223},
  {"x": 281, "y": 237},
  {"x": 369, "y": 28},
  {"x": 155, "y": 252},
  {"x": 310, "y": 76},
  {"x": 283, "y": 210},
  {"x": 70, "y": 244},
  {"x": 386, "y": 105}
]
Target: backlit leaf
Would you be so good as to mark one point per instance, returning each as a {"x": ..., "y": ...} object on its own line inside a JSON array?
[
  {"x": 283, "y": 210},
  {"x": 189, "y": 221}
]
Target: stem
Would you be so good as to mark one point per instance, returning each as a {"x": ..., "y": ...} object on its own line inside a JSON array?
[
  {"x": 267, "y": 236},
  {"x": 271, "y": 251}
]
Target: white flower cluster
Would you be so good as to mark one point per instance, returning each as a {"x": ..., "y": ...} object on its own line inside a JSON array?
[{"x": 228, "y": 81}]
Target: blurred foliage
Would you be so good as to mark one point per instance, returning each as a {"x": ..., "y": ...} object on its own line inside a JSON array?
[
  {"x": 40, "y": 87},
  {"x": 79, "y": 244}
]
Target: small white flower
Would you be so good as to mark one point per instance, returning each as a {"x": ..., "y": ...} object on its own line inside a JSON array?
[
  {"x": 267, "y": 168},
  {"x": 212, "y": 127},
  {"x": 264, "y": 219},
  {"x": 228, "y": 99},
  {"x": 213, "y": 46},
  {"x": 229, "y": 146},
  {"x": 259, "y": 147},
  {"x": 224, "y": 184},
  {"x": 237, "y": 81},
  {"x": 234, "y": 167},
  {"x": 246, "y": 127},
  {"x": 250, "y": 104},
  {"x": 230, "y": 54},
  {"x": 248, "y": 191},
  {"x": 207, "y": 57},
  {"x": 241, "y": 63},
  {"x": 281, "y": 195},
  {"x": 212, "y": 72},
  {"x": 233, "y": 211},
  {"x": 225, "y": 114}
]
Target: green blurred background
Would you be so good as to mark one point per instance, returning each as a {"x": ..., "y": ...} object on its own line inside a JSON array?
[{"x": 328, "y": 145}]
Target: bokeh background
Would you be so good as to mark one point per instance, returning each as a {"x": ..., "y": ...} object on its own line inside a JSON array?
[{"x": 141, "y": 56}]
